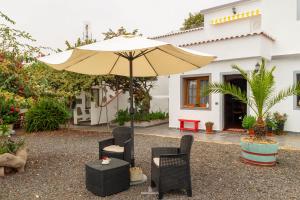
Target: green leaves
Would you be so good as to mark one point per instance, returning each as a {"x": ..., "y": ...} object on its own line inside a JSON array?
[
  {"x": 46, "y": 115},
  {"x": 193, "y": 21},
  {"x": 262, "y": 89}
]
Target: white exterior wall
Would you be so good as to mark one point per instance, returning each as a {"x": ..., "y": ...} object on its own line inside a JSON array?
[
  {"x": 214, "y": 114},
  {"x": 160, "y": 95},
  {"x": 279, "y": 20}
]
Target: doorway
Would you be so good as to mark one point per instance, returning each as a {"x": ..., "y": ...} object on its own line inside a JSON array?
[{"x": 234, "y": 110}]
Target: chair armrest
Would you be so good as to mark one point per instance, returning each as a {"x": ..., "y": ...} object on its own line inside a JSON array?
[
  {"x": 173, "y": 160},
  {"x": 127, "y": 150},
  {"x": 105, "y": 143},
  {"x": 157, "y": 151}
]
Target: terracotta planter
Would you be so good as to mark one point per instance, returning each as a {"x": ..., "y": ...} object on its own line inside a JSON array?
[
  {"x": 209, "y": 129},
  {"x": 251, "y": 132},
  {"x": 262, "y": 154},
  {"x": 270, "y": 133}
]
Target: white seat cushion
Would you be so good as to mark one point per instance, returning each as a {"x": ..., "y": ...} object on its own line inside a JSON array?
[
  {"x": 114, "y": 148},
  {"x": 156, "y": 161}
]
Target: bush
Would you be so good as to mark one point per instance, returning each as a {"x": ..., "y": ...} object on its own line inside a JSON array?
[
  {"x": 123, "y": 116},
  {"x": 9, "y": 112},
  {"x": 46, "y": 115},
  {"x": 248, "y": 122},
  {"x": 8, "y": 145}
]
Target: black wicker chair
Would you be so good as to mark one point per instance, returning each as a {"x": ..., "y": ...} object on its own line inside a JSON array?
[
  {"x": 170, "y": 167},
  {"x": 119, "y": 146}
]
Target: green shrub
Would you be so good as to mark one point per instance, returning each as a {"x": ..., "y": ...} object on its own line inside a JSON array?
[
  {"x": 10, "y": 146},
  {"x": 248, "y": 122},
  {"x": 46, "y": 115},
  {"x": 123, "y": 116}
]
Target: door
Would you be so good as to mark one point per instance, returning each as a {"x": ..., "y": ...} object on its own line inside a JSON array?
[{"x": 234, "y": 110}]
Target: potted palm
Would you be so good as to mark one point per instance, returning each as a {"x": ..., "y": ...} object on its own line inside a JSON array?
[
  {"x": 257, "y": 150},
  {"x": 209, "y": 126},
  {"x": 248, "y": 123}
]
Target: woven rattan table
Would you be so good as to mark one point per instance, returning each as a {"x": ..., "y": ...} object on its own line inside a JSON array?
[{"x": 104, "y": 180}]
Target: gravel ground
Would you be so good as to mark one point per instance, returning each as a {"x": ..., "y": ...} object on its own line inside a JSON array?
[{"x": 55, "y": 170}]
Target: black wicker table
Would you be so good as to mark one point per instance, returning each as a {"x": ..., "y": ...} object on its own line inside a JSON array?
[{"x": 104, "y": 180}]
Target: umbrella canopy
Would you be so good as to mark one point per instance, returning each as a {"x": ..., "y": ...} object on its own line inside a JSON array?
[
  {"x": 132, "y": 56},
  {"x": 149, "y": 57}
]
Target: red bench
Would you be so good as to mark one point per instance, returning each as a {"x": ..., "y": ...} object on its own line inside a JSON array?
[{"x": 196, "y": 125}]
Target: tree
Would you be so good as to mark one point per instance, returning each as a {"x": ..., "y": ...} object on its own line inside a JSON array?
[
  {"x": 121, "y": 31},
  {"x": 193, "y": 21},
  {"x": 15, "y": 51},
  {"x": 263, "y": 96},
  {"x": 141, "y": 86}
]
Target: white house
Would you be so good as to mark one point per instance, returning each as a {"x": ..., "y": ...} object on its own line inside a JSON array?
[
  {"x": 101, "y": 104},
  {"x": 239, "y": 33}
]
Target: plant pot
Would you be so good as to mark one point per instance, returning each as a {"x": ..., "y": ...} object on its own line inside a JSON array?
[
  {"x": 209, "y": 130},
  {"x": 251, "y": 132},
  {"x": 280, "y": 127},
  {"x": 269, "y": 133},
  {"x": 261, "y": 154}
]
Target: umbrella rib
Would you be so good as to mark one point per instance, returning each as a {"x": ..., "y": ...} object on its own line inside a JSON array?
[
  {"x": 144, "y": 52},
  {"x": 114, "y": 64},
  {"x": 81, "y": 60},
  {"x": 151, "y": 65},
  {"x": 178, "y": 57}
]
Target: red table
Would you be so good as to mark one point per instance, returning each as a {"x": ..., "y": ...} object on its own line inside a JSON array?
[{"x": 196, "y": 125}]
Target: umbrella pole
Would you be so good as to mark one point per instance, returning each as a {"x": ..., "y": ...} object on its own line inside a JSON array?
[{"x": 131, "y": 110}]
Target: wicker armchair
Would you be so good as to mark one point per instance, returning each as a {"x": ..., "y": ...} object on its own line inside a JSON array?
[
  {"x": 170, "y": 167},
  {"x": 119, "y": 146}
]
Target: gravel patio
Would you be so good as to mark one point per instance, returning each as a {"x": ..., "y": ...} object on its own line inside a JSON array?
[{"x": 55, "y": 170}]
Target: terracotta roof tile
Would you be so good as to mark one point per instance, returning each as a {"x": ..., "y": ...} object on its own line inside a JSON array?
[
  {"x": 176, "y": 33},
  {"x": 228, "y": 38}
]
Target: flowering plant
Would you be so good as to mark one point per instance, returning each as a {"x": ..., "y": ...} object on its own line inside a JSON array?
[{"x": 9, "y": 112}]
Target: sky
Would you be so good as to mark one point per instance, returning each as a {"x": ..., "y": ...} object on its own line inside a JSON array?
[{"x": 52, "y": 22}]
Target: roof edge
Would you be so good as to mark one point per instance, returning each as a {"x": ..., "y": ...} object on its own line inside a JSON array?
[
  {"x": 176, "y": 33},
  {"x": 229, "y": 38},
  {"x": 223, "y": 6}
]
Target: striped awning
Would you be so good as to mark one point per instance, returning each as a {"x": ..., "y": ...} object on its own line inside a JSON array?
[{"x": 237, "y": 16}]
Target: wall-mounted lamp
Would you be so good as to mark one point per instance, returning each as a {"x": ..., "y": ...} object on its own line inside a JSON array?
[
  {"x": 257, "y": 66},
  {"x": 234, "y": 10}
]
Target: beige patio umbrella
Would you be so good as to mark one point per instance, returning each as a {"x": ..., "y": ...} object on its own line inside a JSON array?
[{"x": 132, "y": 56}]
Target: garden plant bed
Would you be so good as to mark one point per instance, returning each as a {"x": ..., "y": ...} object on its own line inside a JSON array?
[
  {"x": 55, "y": 170},
  {"x": 145, "y": 124}
]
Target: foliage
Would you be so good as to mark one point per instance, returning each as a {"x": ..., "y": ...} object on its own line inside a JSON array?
[
  {"x": 123, "y": 116},
  {"x": 9, "y": 113},
  {"x": 263, "y": 96},
  {"x": 46, "y": 115},
  {"x": 4, "y": 130},
  {"x": 121, "y": 31},
  {"x": 16, "y": 44},
  {"x": 209, "y": 123},
  {"x": 279, "y": 121},
  {"x": 50, "y": 82},
  {"x": 193, "y": 21},
  {"x": 270, "y": 123},
  {"x": 248, "y": 122},
  {"x": 7, "y": 145},
  {"x": 10, "y": 146},
  {"x": 79, "y": 43}
]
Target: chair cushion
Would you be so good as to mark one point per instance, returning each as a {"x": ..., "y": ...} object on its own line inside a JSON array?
[
  {"x": 114, "y": 148},
  {"x": 156, "y": 161}
]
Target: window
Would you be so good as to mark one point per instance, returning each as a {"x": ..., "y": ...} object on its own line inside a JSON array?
[
  {"x": 298, "y": 97},
  {"x": 298, "y": 9},
  {"x": 193, "y": 92}
]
